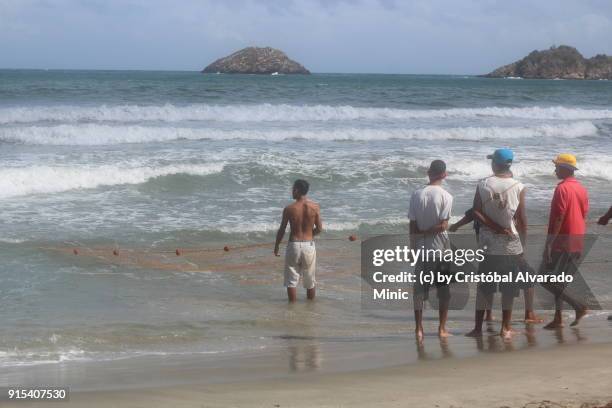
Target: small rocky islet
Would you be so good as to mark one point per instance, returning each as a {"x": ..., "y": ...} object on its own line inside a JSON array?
[{"x": 256, "y": 60}]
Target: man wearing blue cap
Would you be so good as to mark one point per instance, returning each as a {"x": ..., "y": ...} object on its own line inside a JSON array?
[{"x": 500, "y": 203}]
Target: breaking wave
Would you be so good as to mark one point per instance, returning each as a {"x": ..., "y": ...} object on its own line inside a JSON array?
[
  {"x": 21, "y": 181},
  {"x": 276, "y": 113},
  {"x": 94, "y": 134}
]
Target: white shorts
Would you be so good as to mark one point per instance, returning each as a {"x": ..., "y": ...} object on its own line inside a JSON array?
[{"x": 300, "y": 260}]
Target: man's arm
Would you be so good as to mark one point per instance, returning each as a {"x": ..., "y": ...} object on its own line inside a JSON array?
[
  {"x": 412, "y": 224},
  {"x": 281, "y": 231},
  {"x": 445, "y": 214},
  {"x": 604, "y": 219},
  {"x": 521, "y": 218},
  {"x": 438, "y": 228},
  {"x": 414, "y": 230},
  {"x": 463, "y": 221},
  {"x": 552, "y": 236},
  {"x": 558, "y": 206},
  {"x": 495, "y": 227},
  {"x": 318, "y": 228},
  {"x": 484, "y": 219}
]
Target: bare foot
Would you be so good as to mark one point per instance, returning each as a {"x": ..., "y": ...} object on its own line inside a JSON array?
[
  {"x": 507, "y": 334},
  {"x": 533, "y": 318},
  {"x": 475, "y": 333},
  {"x": 555, "y": 324},
  {"x": 442, "y": 333},
  {"x": 419, "y": 335},
  {"x": 579, "y": 315}
]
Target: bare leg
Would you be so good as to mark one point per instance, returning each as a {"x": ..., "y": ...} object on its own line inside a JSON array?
[
  {"x": 530, "y": 316},
  {"x": 444, "y": 301},
  {"x": 507, "y": 303},
  {"x": 558, "y": 319},
  {"x": 489, "y": 313},
  {"x": 580, "y": 309},
  {"x": 310, "y": 293},
  {"x": 483, "y": 302},
  {"x": 292, "y": 294},
  {"x": 418, "y": 316},
  {"x": 580, "y": 313},
  {"x": 478, "y": 319},
  {"x": 561, "y": 296}
]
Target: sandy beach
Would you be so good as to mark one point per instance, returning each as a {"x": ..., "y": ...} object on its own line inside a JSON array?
[
  {"x": 315, "y": 358},
  {"x": 564, "y": 376}
]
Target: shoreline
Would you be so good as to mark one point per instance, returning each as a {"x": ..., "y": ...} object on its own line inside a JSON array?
[
  {"x": 301, "y": 353},
  {"x": 569, "y": 376}
]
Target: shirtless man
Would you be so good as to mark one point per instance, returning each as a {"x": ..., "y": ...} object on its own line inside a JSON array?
[{"x": 304, "y": 217}]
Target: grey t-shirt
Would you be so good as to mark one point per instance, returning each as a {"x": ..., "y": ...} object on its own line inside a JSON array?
[{"x": 429, "y": 206}]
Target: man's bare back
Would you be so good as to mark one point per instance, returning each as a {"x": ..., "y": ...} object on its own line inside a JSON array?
[{"x": 304, "y": 219}]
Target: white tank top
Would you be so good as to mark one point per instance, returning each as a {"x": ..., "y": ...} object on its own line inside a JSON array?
[{"x": 500, "y": 197}]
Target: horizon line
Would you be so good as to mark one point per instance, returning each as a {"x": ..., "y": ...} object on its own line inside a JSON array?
[{"x": 200, "y": 71}]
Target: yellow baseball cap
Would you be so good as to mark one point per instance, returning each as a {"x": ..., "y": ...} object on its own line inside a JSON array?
[{"x": 566, "y": 160}]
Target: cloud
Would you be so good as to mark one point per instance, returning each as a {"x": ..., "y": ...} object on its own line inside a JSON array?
[{"x": 421, "y": 36}]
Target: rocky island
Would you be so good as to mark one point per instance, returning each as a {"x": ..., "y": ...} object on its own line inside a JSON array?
[
  {"x": 563, "y": 62},
  {"x": 256, "y": 60}
]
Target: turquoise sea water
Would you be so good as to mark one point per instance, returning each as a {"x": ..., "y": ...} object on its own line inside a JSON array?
[{"x": 166, "y": 159}]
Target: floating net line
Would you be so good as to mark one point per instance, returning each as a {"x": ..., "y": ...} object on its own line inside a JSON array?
[
  {"x": 182, "y": 259},
  {"x": 217, "y": 258}
]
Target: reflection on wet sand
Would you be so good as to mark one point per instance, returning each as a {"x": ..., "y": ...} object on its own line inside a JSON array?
[
  {"x": 303, "y": 348},
  {"x": 304, "y": 357},
  {"x": 493, "y": 343},
  {"x": 445, "y": 350},
  {"x": 559, "y": 334}
]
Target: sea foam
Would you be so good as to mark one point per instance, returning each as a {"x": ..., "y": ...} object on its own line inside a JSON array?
[
  {"x": 21, "y": 181},
  {"x": 276, "y": 113},
  {"x": 96, "y": 134}
]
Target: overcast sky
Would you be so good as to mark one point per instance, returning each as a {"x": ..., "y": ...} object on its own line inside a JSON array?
[{"x": 385, "y": 36}]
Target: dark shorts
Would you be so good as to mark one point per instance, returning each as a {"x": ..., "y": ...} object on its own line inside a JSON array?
[
  {"x": 561, "y": 262},
  {"x": 577, "y": 293},
  {"x": 503, "y": 265},
  {"x": 442, "y": 267}
]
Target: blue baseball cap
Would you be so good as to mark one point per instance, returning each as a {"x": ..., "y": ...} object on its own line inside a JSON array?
[{"x": 502, "y": 156}]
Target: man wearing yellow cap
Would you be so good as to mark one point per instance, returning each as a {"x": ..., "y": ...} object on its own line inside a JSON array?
[{"x": 566, "y": 229}]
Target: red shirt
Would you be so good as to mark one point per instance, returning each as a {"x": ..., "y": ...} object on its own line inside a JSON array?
[{"x": 570, "y": 201}]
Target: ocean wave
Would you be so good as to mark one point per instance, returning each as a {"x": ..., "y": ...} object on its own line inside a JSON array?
[
  {"x": 11, "y": 240},
  {"x": 466, "y": 169},
  {"x": 19, "y": 358},
  {"x": 21, "y": 181},
  {"x": 276, "y": 113},
  {"x": 93, "y": 134},
  {"x": 336, "y": 226}
]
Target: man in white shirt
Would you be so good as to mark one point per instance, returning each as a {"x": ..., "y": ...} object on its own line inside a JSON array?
[
  {"x": 500, "y": 203},
  {"x": 430, "y": 210}
]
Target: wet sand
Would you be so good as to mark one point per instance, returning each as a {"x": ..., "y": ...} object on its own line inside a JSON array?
[
  {"x": 572, "y": 376},
  {"x": 370, "y": 365}
]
